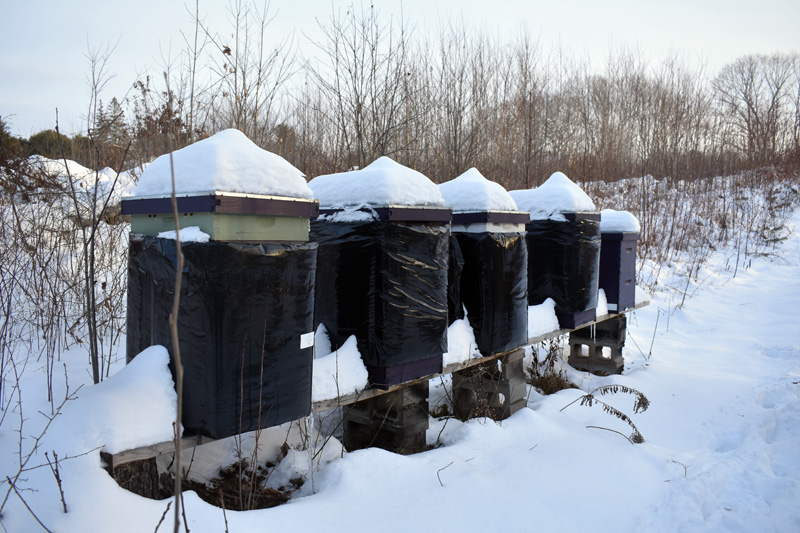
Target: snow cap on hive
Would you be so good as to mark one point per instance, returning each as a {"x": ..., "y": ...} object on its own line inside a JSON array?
[
  {"x": 383, "y": 182},
  {"x": 618, "y": 221},
  {"x": 557, "y": 195},
  {"x": 471, "y": 191},
  {"x": 225, "y": 162}
]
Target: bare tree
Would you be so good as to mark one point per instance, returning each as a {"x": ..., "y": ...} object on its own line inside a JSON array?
[
  {"x": 361, "y": 85},
  {"x": 249, "y": 74},
  {"x": 90, "y": 206},
  {"x": 754, "y": 93}
]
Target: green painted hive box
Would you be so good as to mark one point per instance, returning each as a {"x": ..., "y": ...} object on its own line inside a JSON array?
[{"x": 225, "y": 216}]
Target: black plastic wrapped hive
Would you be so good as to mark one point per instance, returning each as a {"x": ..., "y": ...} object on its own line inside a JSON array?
[
  {"x": 493, "y": 283},
  {"x": 385, "y": 281},
  {"x": 245, "y": 324},
  {"x": 564, "y": 264}
]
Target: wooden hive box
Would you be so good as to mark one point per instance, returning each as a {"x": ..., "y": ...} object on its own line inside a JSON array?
[{"x": 225, "y": 216}]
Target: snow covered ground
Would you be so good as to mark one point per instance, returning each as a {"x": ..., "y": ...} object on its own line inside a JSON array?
[{"x": 720, "y": 453}]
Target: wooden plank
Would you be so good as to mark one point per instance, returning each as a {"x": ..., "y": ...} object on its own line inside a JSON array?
[
  {"x": 114, "y": 460},
  {"x": 365, "y": 394},
  {"x": 347, "y": 399},
  {"x": 154, "y": 450}
]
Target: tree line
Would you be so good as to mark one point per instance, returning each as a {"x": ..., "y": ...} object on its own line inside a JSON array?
[{"x": 442, "y": 104}]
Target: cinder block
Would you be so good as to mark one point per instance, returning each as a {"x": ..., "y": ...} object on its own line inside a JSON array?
[
  {"x": 611, "y": 331},
  {"x": 396, "y": 421},
  {"x": 596, "y": 362},
  {"x": 598, "y": 348},
  {"x": 496, "y": 389}
]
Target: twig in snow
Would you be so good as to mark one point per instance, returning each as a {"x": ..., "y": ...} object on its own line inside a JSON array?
[
  {"x": 23, "y": 459},
  {"x": 54, "y": 470},
  {"x": 183, "y": 513},
  {"x": 628, "y": 334},
  {"x": 62, "y": 459},
  {"x": 163, "y": 516},
  {"x": 385, "y": 417},
  {"x": 338, "y": 424},
  {"x": 437, "y": 473},
  {"x": 613, "y": 431},
  {"x": 655, "y": 329},
  {"x": 685, "y": 468},
  {"x": 224, "y": 514},
  {"x": 439, "y": 436},
  {"x": 26, "y": 504},
  {"x": 173, "y": 325}
]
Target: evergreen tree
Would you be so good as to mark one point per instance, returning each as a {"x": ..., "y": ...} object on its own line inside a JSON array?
[
  {"x": 10, "y": 146},
  {"x": 110, "y": 134},
  {"x": 50, "y": 144},
  {"x": 17, "y": 174}
]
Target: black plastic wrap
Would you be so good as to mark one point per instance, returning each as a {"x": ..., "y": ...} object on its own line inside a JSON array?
[
  {"x": 385, "y": 283},
  {"x": 494, "y": 289},
  {"x": 455, "y": 309},
  {"x": 243, "y": 309},
  {"x": 563, "y": 263}
]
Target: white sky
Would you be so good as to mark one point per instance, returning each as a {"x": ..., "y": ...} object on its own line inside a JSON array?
[{"x": 43, "y": 44}]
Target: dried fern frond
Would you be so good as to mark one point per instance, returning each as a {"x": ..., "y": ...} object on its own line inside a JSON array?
[{"x": 640, "y": 404}]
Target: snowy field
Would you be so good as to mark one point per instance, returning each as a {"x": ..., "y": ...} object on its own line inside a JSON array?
[{"x": 720, "y": 453}]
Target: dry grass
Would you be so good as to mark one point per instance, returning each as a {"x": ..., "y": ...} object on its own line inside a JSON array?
[
  {"x": 550, "y": 383},
  {"x": 237, "y": 487}
]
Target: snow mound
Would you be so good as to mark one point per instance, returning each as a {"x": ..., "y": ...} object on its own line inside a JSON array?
[
  {"x": 557, "y": 195},
  {"x": 542, "y": 318},
  {"x": 338, "y": 373},
  {"x": 383, "y": 182},
  {"x": 190, "y": 234},
  {"x": 226, "y": 162},
  {"x": 641, "y": 296},
  {"x": 64, "y": 167},
  {"x": 135, "y": 407},
  {"x": 602, "y": 303},
  {"x": 84, "y": 179},
  {"x": 471, "y": 191},
  {"x": 461, "y": 344},
  {"x": 322, "y": 342},
  {"x": 618, "y": 221}
]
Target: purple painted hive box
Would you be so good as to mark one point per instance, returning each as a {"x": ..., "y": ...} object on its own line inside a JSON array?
[{"x": 618, "y": 269}]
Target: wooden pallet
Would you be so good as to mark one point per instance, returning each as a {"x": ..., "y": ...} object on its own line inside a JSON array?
[{"x": 154, "y": 450}]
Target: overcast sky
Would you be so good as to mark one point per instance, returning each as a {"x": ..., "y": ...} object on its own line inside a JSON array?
[{"x": 44, "y": 43}]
